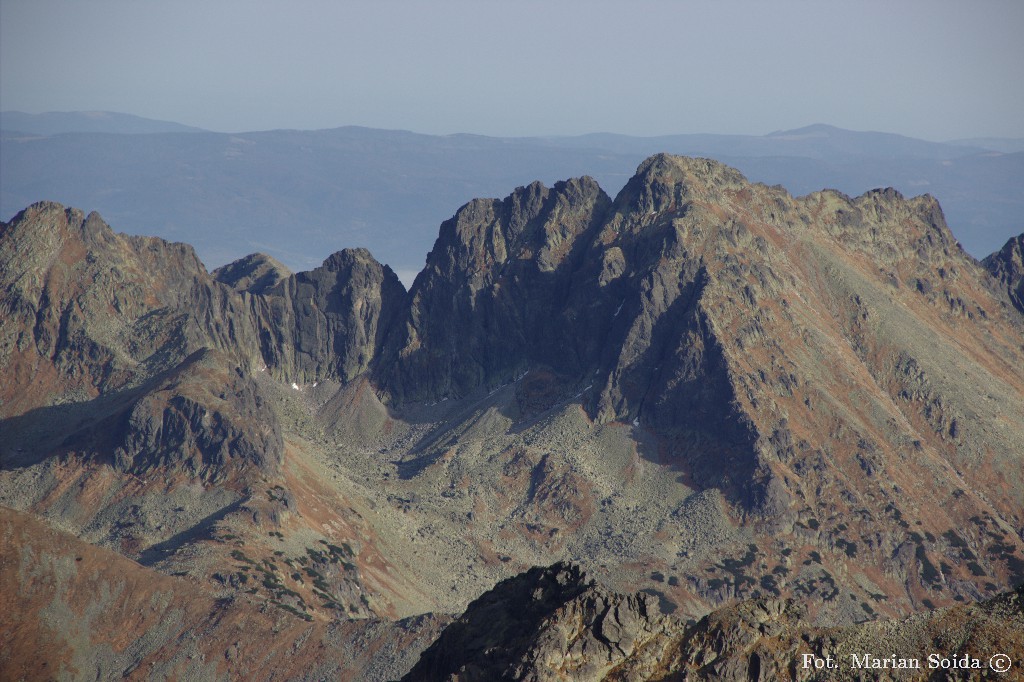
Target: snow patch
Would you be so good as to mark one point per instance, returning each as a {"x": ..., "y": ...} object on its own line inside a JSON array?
[{"x": 584, "y": 390}]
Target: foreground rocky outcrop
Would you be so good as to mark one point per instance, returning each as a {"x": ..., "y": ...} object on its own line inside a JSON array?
[
  {"x": 552, "y": 623},
  {"x": 555, "y": 624}
]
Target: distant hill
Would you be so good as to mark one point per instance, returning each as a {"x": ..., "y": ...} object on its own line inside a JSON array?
[
  {"x": 296, "y": 195},
  {"x": 817, "y": 141},
  {"x": 56, "y": 122}
]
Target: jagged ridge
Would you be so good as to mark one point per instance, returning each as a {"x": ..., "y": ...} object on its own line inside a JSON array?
[
  {"x": 554, "y": 624},
  {"x": 818, "y": 359}
]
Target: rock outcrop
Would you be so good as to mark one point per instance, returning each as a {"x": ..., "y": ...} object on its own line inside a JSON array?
[
  {"x": 329, "y": 323},
  {"x": 256, "y": 273},
  {"x": 489, "y": 301},
  {"x": 204, "y": 416},
  {"x": 546, "y": 624},
  {"x": 551, "y": 624},
  {"x": 1007, "y": 266}
]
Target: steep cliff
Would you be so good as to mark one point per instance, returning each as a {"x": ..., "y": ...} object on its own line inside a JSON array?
[
  {"x": 486, "y": 306},
  {"x": 329, "y": 323},
  {"x": 1007, "y": 266}
]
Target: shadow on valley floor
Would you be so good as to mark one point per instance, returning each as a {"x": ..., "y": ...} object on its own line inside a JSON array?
[
  {"x": 39, "y": 434},
  {"x": 201, "y": 530},
  {"x": 506, "y": 401},
  {"x": 701, "y": 450},
  {"x": 665, "y": 605}
]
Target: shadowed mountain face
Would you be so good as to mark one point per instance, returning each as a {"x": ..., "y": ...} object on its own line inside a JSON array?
[
  {"x": 1007, "y": 266},
  {"x": 330, "y": 322},
  {"x": 489, "y": 302},
  {"x": 757, "y": 335},
  {"x": 704, "y": 388}
]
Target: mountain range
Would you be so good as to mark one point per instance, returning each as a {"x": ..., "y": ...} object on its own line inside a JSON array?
[
  {"x": 58, "y": 122},
  {"x": 763, "y": 425},
  {"x": 297, "y": 195}
]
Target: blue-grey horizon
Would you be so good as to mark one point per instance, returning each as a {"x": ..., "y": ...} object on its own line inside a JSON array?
[{"x": 932, "y": 70}]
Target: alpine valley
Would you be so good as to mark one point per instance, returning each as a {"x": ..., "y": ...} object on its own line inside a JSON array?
[{"x": 702, "y": 430}]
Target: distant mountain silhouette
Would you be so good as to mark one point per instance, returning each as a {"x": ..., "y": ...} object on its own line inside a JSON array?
[{"x": 57, "y": 122}]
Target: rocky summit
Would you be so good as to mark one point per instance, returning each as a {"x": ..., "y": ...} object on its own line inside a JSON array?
[
  {"x": 740, "y": 427},
  {"x": 1007, "y": 266},
  {"x": 553, "y": 624}
]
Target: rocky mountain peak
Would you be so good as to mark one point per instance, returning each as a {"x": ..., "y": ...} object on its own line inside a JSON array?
[
  {"x": 548, "y": 623},
  {"x": 347, "y": 258},
  {"x": 1007, "y": 266},
  {"x": 665, "y": 183},
  {"x": 717, "y": 316},
  {"x": 86, "y": 310},
  {"x": 534, "y": 222},
  {"x": 497, "y": 275},
  {"x": 256, "y": 273},
  {"x": 330, "y": 322}
]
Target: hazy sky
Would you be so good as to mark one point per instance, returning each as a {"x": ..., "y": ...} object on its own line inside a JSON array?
[{"x": 931, "y": 69}]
